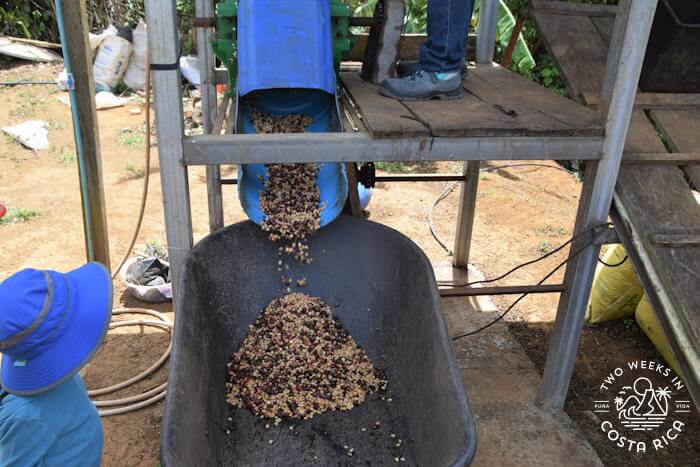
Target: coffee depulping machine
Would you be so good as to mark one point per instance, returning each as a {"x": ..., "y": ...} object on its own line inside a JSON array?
[{"x": 218, "y": 293}]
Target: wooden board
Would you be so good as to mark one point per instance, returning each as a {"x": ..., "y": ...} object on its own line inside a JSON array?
[
  {"x": 682, "y": 130},
  {"x": 573, "y": 9},
  {"x": 383, "y": 117},
  {"x": 660, "y": 202},
  {"x": 497, "y": 102},
  {"x": 469, "y": 116},
  {"x": 604, "y": 25},
  {"x": 577, "y": 47},
  {"x": 655, "y": 100},
  {"x": 540, "y": 110}
]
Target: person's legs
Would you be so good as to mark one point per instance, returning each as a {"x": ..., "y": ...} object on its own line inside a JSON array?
[{"x": 448, "y": 25}]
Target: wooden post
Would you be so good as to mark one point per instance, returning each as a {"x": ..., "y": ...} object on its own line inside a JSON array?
[
  {"x": 383, "y": 43},
  {"x": 167, "y": 97},
  {"x": 465, "y": 217},
  {"x": 486, "y": 31},
  {"x": 633, "y": 25},
  {"x": 78, "y": 61},
  {"x": 203, "y": 9}
]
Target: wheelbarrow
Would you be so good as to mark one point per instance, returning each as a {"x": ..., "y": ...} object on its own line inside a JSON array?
[{"x": 381, "y": 287}]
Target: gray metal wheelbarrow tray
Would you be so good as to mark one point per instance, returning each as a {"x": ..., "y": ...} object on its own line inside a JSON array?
[{"x": 381, "y": 287}]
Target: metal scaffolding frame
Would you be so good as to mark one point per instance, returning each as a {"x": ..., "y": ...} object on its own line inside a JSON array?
[{"x": 177, "y": 152}]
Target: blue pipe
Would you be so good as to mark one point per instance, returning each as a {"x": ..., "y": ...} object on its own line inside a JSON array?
[{"x": 82, "y": 168}]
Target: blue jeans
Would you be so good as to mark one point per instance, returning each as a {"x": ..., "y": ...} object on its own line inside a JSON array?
[{"x": 448, "y": 25}]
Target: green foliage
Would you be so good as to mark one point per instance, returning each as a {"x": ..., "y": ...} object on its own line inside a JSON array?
[
  {"x": 15, "y": 215},
  {"x": 522, "y": 59},
  {"x": 392, "y": 167},
  {"x": 33, "y": 19},
  {"x": 134, "y": 172},
  {"x": 154, "y": 248},
  {"x": 65, "y": 157},
  {"x": 36, "y": 19},
  {"x": 133, "y": 140},
  {"x": 544, "y": 246}
]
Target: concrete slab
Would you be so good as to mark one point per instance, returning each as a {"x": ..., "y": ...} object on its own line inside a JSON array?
[{"x": 501, "y": 382}]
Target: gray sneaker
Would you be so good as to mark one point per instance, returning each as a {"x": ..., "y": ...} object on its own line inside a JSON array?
[
  {"x": 408, "y": 67},
  {"x": 421, "y": 86}
]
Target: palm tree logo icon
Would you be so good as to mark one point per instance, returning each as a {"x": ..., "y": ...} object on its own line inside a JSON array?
[{"x": 640, "y": 407}]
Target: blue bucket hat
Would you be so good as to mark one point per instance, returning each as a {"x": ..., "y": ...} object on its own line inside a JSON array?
[{"x": 51, "y": 324}]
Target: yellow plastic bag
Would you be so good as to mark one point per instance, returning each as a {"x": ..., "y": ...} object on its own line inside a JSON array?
[
  {"x": 616, "y": 290},
  {"x": 652, "y": 328}
]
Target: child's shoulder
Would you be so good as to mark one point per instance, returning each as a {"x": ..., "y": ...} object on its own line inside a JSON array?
[{"x": 45, "y": 405}]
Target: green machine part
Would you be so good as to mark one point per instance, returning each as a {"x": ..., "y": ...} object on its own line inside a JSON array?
[{"x": 224, "y": 45}]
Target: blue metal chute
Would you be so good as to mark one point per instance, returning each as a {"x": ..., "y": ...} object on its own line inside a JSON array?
[{"x": 285, "y": 66}]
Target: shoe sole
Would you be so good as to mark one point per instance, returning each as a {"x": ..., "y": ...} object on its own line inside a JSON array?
[{"x": 444, "y": 96}]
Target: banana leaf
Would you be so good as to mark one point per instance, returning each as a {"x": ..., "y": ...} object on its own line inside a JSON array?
[{"x": 522, "y": 58}]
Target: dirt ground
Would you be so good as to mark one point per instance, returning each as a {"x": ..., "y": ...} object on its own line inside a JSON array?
[{"x": 522, "y": 213}]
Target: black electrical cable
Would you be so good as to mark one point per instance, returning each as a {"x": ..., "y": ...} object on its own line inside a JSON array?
[
  {"x": 613, "y": 265},
  {"x": 450, "y": 188},
  {"x": 445, "y": 193},
  {"x": 512, "y": 305},
  {"x": 528, "y": 263}
]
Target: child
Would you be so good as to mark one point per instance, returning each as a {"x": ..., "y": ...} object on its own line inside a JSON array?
[{"x": 51, "y": 324}]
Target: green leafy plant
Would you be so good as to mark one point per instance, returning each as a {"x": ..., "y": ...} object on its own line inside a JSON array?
[
  {"x": 66, "y": 157},
  {"x": 553, "y": 231},
  {"x": 544, "y": 246},
  {"x": 392, "y": 167},
  {"x": 133, "y": 140},
  {"x": 15, "y": 215},
  {"x": 134, "y": 172},
  {"x": 154, "y": 248}
]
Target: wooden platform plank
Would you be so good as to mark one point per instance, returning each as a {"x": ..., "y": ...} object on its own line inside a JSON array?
[
  {"x": 661, "y": 203},
  {"x": 682, "y": 130},
  {"x": 383, "y": 117},
  {"x": 469, "y": 116},
  {"x": 604, "y": 25},
  {"x": 498, "y": 102},
  {"x": 655, "y": 100},
  {"x": 578, "y": 49},
  {"x": 573, "y": 9},
  {"x": 538, "y": 109}
]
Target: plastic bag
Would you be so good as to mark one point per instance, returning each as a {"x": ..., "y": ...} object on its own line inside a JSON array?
[
  {"x": 647, "y": 320},
  {"x": 111, "y": 62},
  {"x": 135, "y": 76},
  {"x": 96, "y": 39},
  {"x": 616, "y": 290},
  {"x": 148, "y": 279},
  {"x": 32, "y": 134},
  {"x": 189, "y": 67}
]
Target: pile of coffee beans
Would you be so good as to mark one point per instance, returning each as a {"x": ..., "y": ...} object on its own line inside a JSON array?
[
  {"x": 297, "y": 361},
  {"x": 270, "y": 123}
]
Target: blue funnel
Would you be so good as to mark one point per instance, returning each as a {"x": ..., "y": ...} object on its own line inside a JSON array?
[
  {"x": 331, "y": 179},
  {"x": 285, "y": 62}
]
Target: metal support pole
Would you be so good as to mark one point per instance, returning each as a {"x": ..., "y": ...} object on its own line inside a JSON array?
[
  {"x": 465, "y": 217},
  {"x": 486, "y": 31},
  {"x": 207, "y": 61},
  {"x": 632, "y": 25},
  {"x": 167, "y": 97}
]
